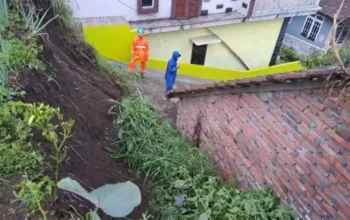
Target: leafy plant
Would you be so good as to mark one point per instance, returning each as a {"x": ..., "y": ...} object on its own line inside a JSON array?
[
  {"x": 34, "y": 21},
  {"x": 35, "y": 194},
  {"x": 23, "y": 54},
  {"x": 20, "y": 120},
  {"x": 289, "y": 54},
  {"x": 65, "y": 18},
  {"x": 186, "y": 186},
  {"x": 4, "y": 62},
  {"x": 4, "y": 15},
  {"x": 319, "y": 59},
  {"x": 116, "y": 200}
]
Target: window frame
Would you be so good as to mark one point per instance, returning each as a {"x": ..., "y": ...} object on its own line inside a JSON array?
[
  {"x": 344, "y": 28},
  {"x": 205, "y": 54},
  {"x": 314, "y": 18},
  {"x": 147, "y": 10}
]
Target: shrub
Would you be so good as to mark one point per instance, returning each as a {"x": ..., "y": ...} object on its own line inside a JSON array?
[
  {"x": 319, "y": 59},
  {"x": 289, "y": 54},
  {"x": 24, "y": 54},
  {"x": 186, "y": 184}
]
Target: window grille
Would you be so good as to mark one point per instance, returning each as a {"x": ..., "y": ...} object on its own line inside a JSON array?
[{"x": 312, "y": 26}]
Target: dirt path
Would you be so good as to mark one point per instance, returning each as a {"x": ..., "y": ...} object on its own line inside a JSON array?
[{"x": 153, "y": 87}]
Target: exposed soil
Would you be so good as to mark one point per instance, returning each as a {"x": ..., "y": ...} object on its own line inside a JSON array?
[{"x": 80, "y": 90}]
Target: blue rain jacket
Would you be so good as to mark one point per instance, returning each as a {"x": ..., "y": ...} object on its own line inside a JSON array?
[{"x": 171, "y": 71}]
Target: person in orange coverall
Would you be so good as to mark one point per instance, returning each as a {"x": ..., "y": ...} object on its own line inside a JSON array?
[{"x": 140, "y": 51}]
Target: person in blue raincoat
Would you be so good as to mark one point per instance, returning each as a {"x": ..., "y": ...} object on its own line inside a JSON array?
[{"x": 171, "y": 71}]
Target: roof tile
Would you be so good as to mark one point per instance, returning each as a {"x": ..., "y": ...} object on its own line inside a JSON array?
[
  {"x": 330, "y": 7},
  {"x": 320, "y": 73}
]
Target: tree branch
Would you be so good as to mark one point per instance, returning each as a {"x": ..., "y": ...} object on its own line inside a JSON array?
[{"x": 334, "y": 40}]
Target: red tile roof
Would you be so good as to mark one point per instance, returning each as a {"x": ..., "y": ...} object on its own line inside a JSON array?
[
  {"x": 307, "y": 75},
  {"x": 330, "y": 7}
]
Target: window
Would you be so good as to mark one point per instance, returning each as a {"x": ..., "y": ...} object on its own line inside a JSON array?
[
  {"x": 312, "y": 26},
  {"x": 147, "y": 6},
  {"x": 198, "y": 54},
  {"x": 342, "y": 32},
  {"x": 147, "y": 3},
  {"x": 182, "y": 9}
]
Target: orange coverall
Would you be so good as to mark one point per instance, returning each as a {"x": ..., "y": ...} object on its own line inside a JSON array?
[{"x": 140, "y": 52}]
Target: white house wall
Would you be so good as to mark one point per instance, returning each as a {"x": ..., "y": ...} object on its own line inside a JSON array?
[
  {"x": 126, "y": 8},
  {"x": 210, "y": 5}
]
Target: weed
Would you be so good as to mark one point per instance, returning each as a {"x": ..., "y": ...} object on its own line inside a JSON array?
[
  {"x": 34, "y": 21},
  {"x": 35, "y": 194},
  {"x": 23, "y": 54},
  {"x": 4, "y": 62},
  {"x": 186, "y": 184},
  {"x": 19, "y": 120},
  {"x": 121, "y": 77},
  {"x": 59, "y": 144},
  {"x": 65, "y": 18},
  {"x": 318, "y": 59},
  {"x": 290, "y": 54},
  {"x": 4, "y": 15}
]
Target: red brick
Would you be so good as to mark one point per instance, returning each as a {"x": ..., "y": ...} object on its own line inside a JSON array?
[
  {"x": 318, "y": 197},
  {"x": 329, "y": 208},
  {"x": 342, "y": 216},
  {"x": 343, "y": 131},
  {"x": 327, "y": 121},
  {"x": 310, "y": 190},
  {"x": 344, "y": 105},
  {"x": 295, "y": 104},
  {"x": 340, "y": 196},
  {"x": 343, "y": 189},
  {"x": 345, "y": 115},
  {"x": 313, "y": 136},
  {"x": 342, "y": 180},
  {"x": 329, "y": 113},
  {"x": 342, "y": 170},
  {"x": 338, "y": 139},
  {"x": 302, "y": 102},
  {"x": 335, "y": 146},
  {"x": 314, "y": 110},
  {"x": 317, "y": 104},
  {"x": 313, "y": 118}
]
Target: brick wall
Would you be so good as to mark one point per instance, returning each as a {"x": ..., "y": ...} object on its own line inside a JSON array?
[{"x": 296, "y": 142}]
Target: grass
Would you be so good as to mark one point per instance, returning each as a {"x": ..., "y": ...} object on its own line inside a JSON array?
[
  {"x": 185, "y": 183},
  {"x": 4, "y": 15}
]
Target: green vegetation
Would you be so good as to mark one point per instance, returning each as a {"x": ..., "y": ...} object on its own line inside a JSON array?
[
  {"x": 289, "y": 54},
  {"x": 35, "y": 194},
  {"x": 186, "y": 186},
  {"x": 27, "y": 129},
  {"x": 318, "y": 59},
  {"x": 24, "y": 54},
  {"x": 20, "y": 156}
]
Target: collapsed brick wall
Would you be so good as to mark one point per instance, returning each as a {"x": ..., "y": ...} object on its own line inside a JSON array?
[{"x": 296, "y": 142}]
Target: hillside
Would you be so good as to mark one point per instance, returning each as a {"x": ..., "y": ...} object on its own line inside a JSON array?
[{"x": 73, "y": 82}]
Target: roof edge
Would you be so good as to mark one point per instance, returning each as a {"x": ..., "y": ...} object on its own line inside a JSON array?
[{"x": 307, "y": 79}]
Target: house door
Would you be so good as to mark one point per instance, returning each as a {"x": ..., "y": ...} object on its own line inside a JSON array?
[
  {"x": 182, "y": 9},
  {"x": 194, "y": 8}
]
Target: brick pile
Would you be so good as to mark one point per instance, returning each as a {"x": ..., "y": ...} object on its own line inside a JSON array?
[{"x": 296, "y": 142}]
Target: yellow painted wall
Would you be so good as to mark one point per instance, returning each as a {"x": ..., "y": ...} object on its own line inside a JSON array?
[
  {"x": 114, "y": 42},
  {"x": 162, "y": 46},
  {"x": 253, "y": 42}
]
